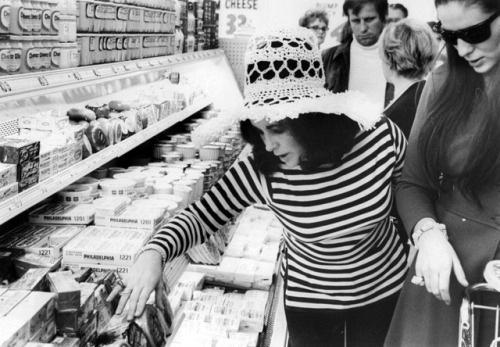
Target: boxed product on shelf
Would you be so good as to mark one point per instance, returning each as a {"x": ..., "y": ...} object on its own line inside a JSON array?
[
  {"x": 133, "y": 217},
  {"x": 73, "y": 321},
  {"x": 52, "y": 213},
  {"x": 27, "y": 173},
  {"x": 15, "y": 151},
  {"x": 67, "y": 289},
  {"x": 105, "y": 246},
  {"x": 46, "y": 240},
  {"x": 8, "y": 174},
  {"x": 9, "y": 191}
]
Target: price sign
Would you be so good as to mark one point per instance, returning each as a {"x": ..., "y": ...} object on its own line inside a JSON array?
[{"x": 237, "y": 14}]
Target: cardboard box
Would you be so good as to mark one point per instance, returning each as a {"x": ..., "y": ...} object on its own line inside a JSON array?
[
  {"x": 46, "y": 240},
  {"x": 14, "y": 151},
  {"x": 105, "y": 246},
  {"x": 62, "y": 214},
  {"x": 8, "y": 174},
  {"x": 133, "y": 217},
  {"x": 27, "y": 173}
]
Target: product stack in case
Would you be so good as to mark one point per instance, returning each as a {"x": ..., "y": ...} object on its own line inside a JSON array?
[{"x": 19, "y": 165}]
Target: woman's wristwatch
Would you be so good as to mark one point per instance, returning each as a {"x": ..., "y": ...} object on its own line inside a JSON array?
[{"x": 418, "y": 233}]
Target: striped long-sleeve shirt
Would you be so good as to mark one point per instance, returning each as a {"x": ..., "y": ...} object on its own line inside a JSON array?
[{"x": 342, "y": 250}]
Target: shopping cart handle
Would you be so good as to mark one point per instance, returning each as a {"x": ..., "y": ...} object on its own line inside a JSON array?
[{"x": 478, "y": 287}]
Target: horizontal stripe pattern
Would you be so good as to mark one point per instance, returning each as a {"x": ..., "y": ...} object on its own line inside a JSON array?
[{"x": 342, "y": 250}]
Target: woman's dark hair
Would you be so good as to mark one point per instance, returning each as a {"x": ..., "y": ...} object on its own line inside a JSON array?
[
  {"x": 325, "y": 138},
  {"x": 450, "y": 110}
]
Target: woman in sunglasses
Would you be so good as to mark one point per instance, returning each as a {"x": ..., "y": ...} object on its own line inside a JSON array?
[{"x": 449, "y": 196}]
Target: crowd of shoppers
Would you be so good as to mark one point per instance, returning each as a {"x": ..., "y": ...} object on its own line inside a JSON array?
[{"x": 326, "y": 157}]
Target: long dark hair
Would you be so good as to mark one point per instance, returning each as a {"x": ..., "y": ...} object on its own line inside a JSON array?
[
  {"x": 450, "y": 110},
  {"x": 325, "y": 138}
]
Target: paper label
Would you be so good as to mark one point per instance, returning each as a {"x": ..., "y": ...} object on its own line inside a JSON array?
[
  {"x": 46, "y": 19},
  {"x": 24, "y": 18},
  {"x": 4, "y": 17}
]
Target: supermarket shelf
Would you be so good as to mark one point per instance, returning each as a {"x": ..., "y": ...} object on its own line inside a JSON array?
[
  {"x": 28, "y": 198},
  {"x": 23, "y": 85}
]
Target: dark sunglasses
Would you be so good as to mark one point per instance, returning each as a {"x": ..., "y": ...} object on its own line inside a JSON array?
[
  {"x": 316, "y": 28},
  {"x": 474, "y": 34}
]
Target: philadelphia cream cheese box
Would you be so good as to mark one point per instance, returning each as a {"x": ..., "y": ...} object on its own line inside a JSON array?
[
  {"x": 133, "y": 217},
  {"x": 62, "y": 214},
  {"x": 105, "y": 246}
]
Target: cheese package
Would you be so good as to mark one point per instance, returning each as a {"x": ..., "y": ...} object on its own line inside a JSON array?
[
  {"x": 14, "y": 151},
  {"x": 27, "y": 173},
  {"x": 32, "y": 280},
  {"x": 98, "y": 268},
  {"x": 71, "y": 321},
  {"x": 111, "y": 206},
  {"x": 133, "y": 217},
  {"x": 9, "y": 191},
  {"x": 36, "y": 308},
  {"x": 8, "y": 174},
  {"x": 66, "y": 288},
  {"x": 46, "y": 240},
  {"x": 105, "y": 246},
  {"x": 62, "y": 214}
]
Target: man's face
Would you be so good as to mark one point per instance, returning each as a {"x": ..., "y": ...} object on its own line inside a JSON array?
[{"x": 366, "y": 25}]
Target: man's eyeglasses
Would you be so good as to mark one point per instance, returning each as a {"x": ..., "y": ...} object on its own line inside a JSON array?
[
  {"x": 474, "y": 34},
  {"x": 317, "y": 28}
]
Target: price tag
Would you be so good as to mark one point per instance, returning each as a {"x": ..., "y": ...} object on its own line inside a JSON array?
[
  {"x": 59, "y": 79},
  {"x": 105, "y": 71},
  {"x": 142, "y": 64},
  {"x": 153, "y": 63},
  {"x": 131, "y": 67},
  {"x": 20, "y": 84},
  {"x": 87, "y": 74},
  {"x": 78, "y": 76},
  {"x": 119, "y": 69},
  {"x": 97, "y": 73}
]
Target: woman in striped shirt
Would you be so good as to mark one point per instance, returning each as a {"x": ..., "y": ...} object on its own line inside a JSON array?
[{"x": 326, "y": 165}]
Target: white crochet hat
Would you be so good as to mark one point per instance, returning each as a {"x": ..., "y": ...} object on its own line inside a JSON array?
[{"x": 285, "y": 78}]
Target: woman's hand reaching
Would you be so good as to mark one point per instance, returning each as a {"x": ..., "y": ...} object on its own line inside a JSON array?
[
  {"x": 436, "y": 259},
  {"x": 146, "y": 276}
]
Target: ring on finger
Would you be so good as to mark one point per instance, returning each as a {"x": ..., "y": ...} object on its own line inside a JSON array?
[
  {"x": 126, "y": 292},
  {"x": 418, "y": 280}
]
